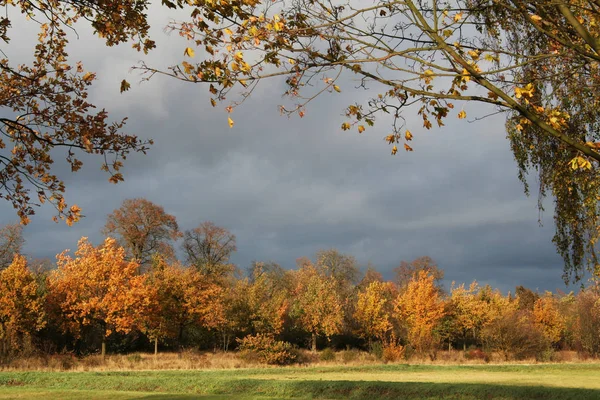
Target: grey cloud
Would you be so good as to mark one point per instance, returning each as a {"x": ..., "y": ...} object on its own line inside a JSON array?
[{"x": 289, "y": 186}]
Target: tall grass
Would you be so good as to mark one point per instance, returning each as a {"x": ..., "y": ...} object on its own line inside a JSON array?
[{"x": 191, "y": 360}]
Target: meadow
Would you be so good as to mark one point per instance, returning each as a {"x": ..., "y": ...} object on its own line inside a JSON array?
[{"x": 383, "y": 381}]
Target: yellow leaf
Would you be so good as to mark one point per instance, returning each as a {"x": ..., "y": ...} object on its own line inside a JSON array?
[
  {"x": 458, "y": 17},
  {"x": 189, "y": 52},
  {"x": 394, "y": 150},
  {"x": 88, "y": 77},
  {"x": 474, "y": 54},
  {"x": 462, "y": 114},
  {"x": 361, "y": 128},
  {"x": 407, "y": 147},
  {"x": 466, "y": 75},
  {"x": 337, "y": 88},
  {"x": 230, "y": 122},
  {"x": 408, "y": 135},
  {"x": 124, "y": 86},
  {"x": 228, "y": 31},
  {"x": 536, "y": 18}
]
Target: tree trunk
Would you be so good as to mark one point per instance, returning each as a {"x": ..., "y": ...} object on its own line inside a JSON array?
[
  {"x": 103, "y": 347},
  {"x": 155, "y": 346},
  {"x": 449, "y": 345},
  {"x": 314, "y": 342},
  {"x": 180, "y": 335}
]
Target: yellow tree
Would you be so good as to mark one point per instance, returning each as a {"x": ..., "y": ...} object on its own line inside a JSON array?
[
  {"x": 318, "y": 306},
  {"x": 374, "y": 307},
  {"x": 268, "y": 295},
  {"x": 473, "y": 309},
  {"x": 99, "y": 287},
  {"x": 421, "y": 308},
  {"x": 547, "y": 317},
  {"x": 21, "y": 305},
  {"x": 236, "y": 315}
]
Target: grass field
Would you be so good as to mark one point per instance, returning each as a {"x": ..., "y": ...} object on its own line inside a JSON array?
[{"x": 506, "y": 382}]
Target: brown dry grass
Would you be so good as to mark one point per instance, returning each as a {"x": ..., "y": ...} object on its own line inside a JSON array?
[{"x": 192, "y": 360}]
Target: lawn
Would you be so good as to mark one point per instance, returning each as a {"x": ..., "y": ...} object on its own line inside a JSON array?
[{"x": 506, "y": 382}]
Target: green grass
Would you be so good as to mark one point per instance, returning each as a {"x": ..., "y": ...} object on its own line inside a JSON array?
[{"x": 502, "y": 382}]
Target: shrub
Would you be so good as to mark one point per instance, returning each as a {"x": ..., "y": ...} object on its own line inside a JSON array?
[
  {"x": 515, "y": 336},
  {"x": 327, "y": 355},
  {"x": 349, "y": 356},
  {"x": 393, "y": 351},
  {"x": 376, "y": 348},
  {"x": 265, "y": 349},
  {"x": 477, "y": 354},
  {"x": 587, "y": 326}
]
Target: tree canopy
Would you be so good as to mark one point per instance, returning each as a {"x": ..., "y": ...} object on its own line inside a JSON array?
[
  {"x": 144, "y": 229},
  {"x": 44, "y": 103},
  {"x": 534, "y": 61}
]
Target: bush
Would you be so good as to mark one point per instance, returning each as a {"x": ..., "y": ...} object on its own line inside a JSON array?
[
  {"x": 393, "y": 352},
  {"x": 349, "y": 356},
  {"x": 265, "y": 349},
  {"x": 477, "y": 354},
  {"x": 376, "y": 348},
  {"x": 515, "y": 336},
  {"x": 327, "y": 355}
]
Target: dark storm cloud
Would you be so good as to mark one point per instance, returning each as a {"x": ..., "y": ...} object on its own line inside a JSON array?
[{"x": 288, "y": 187}]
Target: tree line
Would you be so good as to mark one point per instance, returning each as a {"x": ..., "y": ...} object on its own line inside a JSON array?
[{"x": 131, "y": 293}]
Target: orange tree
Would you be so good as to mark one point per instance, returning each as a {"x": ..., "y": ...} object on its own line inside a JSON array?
[
  {"x": 21, "y": 306},
  {"x": 546, "y": 316},
  {"x": 99, "y": 287},
  {"x": 420, "y": 308},
  {"x": 181, "y": 297}
]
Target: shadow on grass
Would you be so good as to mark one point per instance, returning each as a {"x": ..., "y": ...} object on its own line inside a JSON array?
[{"x": 257, "y": 389}]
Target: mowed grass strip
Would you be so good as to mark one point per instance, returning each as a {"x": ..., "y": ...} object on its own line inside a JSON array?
[{"x": 506, "y": 382}]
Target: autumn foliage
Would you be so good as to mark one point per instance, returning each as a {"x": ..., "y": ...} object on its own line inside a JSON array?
[
  {"x": 99, "y": 287},
  {"x": 98, "y": 300},
  {"x": 421, "y": 308},
  {"x": 21, "y": 306}
]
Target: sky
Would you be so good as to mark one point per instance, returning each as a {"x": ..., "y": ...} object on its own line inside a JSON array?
[{"x": 287, "y": 187}]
